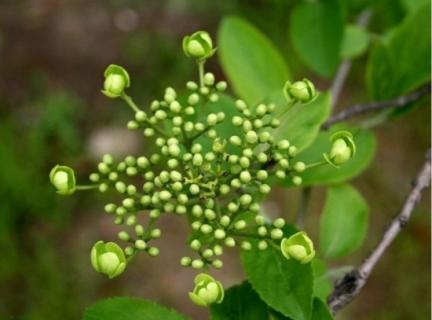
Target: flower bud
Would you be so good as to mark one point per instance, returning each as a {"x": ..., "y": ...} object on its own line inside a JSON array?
[
  {"x": 63, "y": 179},
  {"x": 198, "y": 45},
  {"x": 116, "y": 80},
  {"x": 343, "y": 148},
  {"x": 108, "y": 258},
  {"x": 303, "y": 91},
  {"x": 206, "y": 291},
  {"x": 298, "y": 247}
]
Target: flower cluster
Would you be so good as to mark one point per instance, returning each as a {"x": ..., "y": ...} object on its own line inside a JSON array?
[{"x": 215, "y": 180}]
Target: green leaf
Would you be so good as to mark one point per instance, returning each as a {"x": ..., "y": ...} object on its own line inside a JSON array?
[
  {"x": 285, "y": 285},
  {"x": 322, "y": 283},
  {"x": 326, "y": 174},
  {"x": 343, "y": 221},
  {"x": 320, "y": 311},
  {"x": 316, "y": 30},
  {"x": 240, "y": 302},
  {"x": 128, "y": 309},
  {"x": 251, "y": 62},
  {"x": 355, "y": 41},
  {"x": 301, "y": 123},
  {"x": 401, "y": 61}
]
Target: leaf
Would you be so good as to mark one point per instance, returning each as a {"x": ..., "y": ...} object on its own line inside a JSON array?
[
  {"x": 285, "y": 285},
  {"x": 401, "y": 61},
  {"x": 251, "y": 62},
  {"x": 326, "y": 174},
  {"x": 320, "y": 311},
  {"x": 355, "y": 41},
  {"x": 322, "y": 284},
  {"x": 130, "y": 309},
  {"x": 343, "y": 222},
  {"x": 240, "y": 302},
  {"x": 301, "y": 123},
  {"x": 316, "y": 30}
]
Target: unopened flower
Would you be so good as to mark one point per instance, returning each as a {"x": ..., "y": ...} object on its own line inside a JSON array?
[
  {"x": 116, "y": 81},
  {"x": 63, "y": 179},
  {"x": 108, "y": 258},
  {"x": 298, "y": 247},
  {"x": 198, "y": 45},
  {"x": 303, "y": 91},
  {"x": 206, "y": 291},
  {"x": 343, "y": 148}
]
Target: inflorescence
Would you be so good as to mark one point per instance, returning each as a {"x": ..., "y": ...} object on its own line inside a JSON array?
[{"x": 216, "y": 182}]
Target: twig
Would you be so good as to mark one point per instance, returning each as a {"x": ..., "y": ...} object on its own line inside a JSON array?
[
  {"x": 350, "y": 285},
  {"x": 345, "y": 66},
  {"x": 398, "y": 102}
]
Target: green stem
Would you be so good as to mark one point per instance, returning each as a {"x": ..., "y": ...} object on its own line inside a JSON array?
[
  {"x": 86, "y": 187},
  {"x": 201, "y": 72},
  {"x": 316, "y": 164},
  {"x": 130, "y": 102}
]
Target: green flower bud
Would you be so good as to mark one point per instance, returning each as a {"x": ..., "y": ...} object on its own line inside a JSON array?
[
  {"x": 94, "y": 177},
  {"x": 63, "y": 179},
  {"x": 185, "y": 261},
  {"x": 343, "y": 148},
  {"x": 217, "y": 264},
  {"x": 155, "y": 233},
  {"x": 116, "y": 81},
  {"x": 197, "y": 264},
  {"x": 140, "y": 244},
  {"x": 303, "y": 91},
  {"x": 260, "y": 220},
  {"x": 110, "y": 208},
  {"x": 108, "y": 258},
  {"x": 194, "y": 189},
  {"x": 209, "y": 79},
  {"x": 230, "y": 242},
  {"x": 232, "y": 207},
  {"x": 245, "y": 199},
  {"x": 206, "y": 229},
  {"x": 191, "y": 85},
  {"x": 298, "y": 247},
  {"x": 262, "y": 231},
  {"x": 235, "y": 140},
  {"x": 264, "y": 188},
  {"x": 251, "y": 137},
  {"x": 276, "y": 234},
  {"x": 262, "y": 245},
  {"x": 299, "y": 166},
  {"x": 279, "y": 223},
  {"x": 296, "y": 180},
  {"x": 206, "y": 291},
  {"x": 241, "y": 224},
  {"x": 221, "y": 86},
  {"x": 198, "y": 45},
  {"x": 219, "y": 234},
  {"x": 245, "y": 176},
  {"x": 246, "y": 245},
  {"x": 153, "y": 251}
]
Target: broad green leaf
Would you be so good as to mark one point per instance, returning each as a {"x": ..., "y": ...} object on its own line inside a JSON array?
[
  {"x": 316, "y": 31},
  {"x": 301, "y": 123},
  {"x": 320, "y": 311},
  {"x": 343, "y": 222},
  {"x": 401, "y": 61},
  {"x": 128, "y": 309},
  {"x": 412, "y": 5},
  {"x": 240, "y": 302},
  {"x": 326, "y": 174},
  {"x": 322, "y": 284},
  {"x": 355, "y": 41},
  {"x": 251, "y": 62},
  {"x": 285, "y": 285}
]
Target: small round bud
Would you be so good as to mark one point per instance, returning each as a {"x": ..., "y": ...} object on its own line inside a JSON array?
[
  {"x": 108, "y": 258},
  {"x": 209, "y": 79},
  {"x": 262, "y": 231},
  {"x": 262, "y": 245},
  {"x": 140, "y": 244},
  {"x": 219, "y": 234},
  {"x": 230, "y": 242},
  {"x": 221, "y": 86},
  {"x": 246, "y": 245},
  {"x": 251, "y": 137},
  {"x": 296, "y": 180},
  {"x": 195, "y": 244},
  {"x": 279, "y": 223},
  {"x": 206, "y": 229},
  {"x": 194, "y": 189},
  {"x": 276, "y": 234},
  {"x": 217, "y": 264},
  {"x": 153, "y": 251},
  {"x": 225, "y": 221},
  {"x": 241, "y": 224},
  {"x": 185, "y": 261},
  {"x": 63, "y": 179}
]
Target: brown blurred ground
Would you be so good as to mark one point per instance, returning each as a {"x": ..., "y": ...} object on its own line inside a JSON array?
[{"x": 63, "y": 46}]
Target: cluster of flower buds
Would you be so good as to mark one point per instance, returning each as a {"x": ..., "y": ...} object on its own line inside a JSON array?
[{"x": 216, "y": 180}]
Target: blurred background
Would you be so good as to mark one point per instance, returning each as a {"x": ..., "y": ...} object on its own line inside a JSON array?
[{"x": 52, "y": 57}]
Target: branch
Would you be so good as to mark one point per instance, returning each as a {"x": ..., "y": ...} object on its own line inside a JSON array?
[
  {"x": 398, "y": 102},
  {"x": 350, "y": 285},
  {"x": 345, "y": 66}
]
